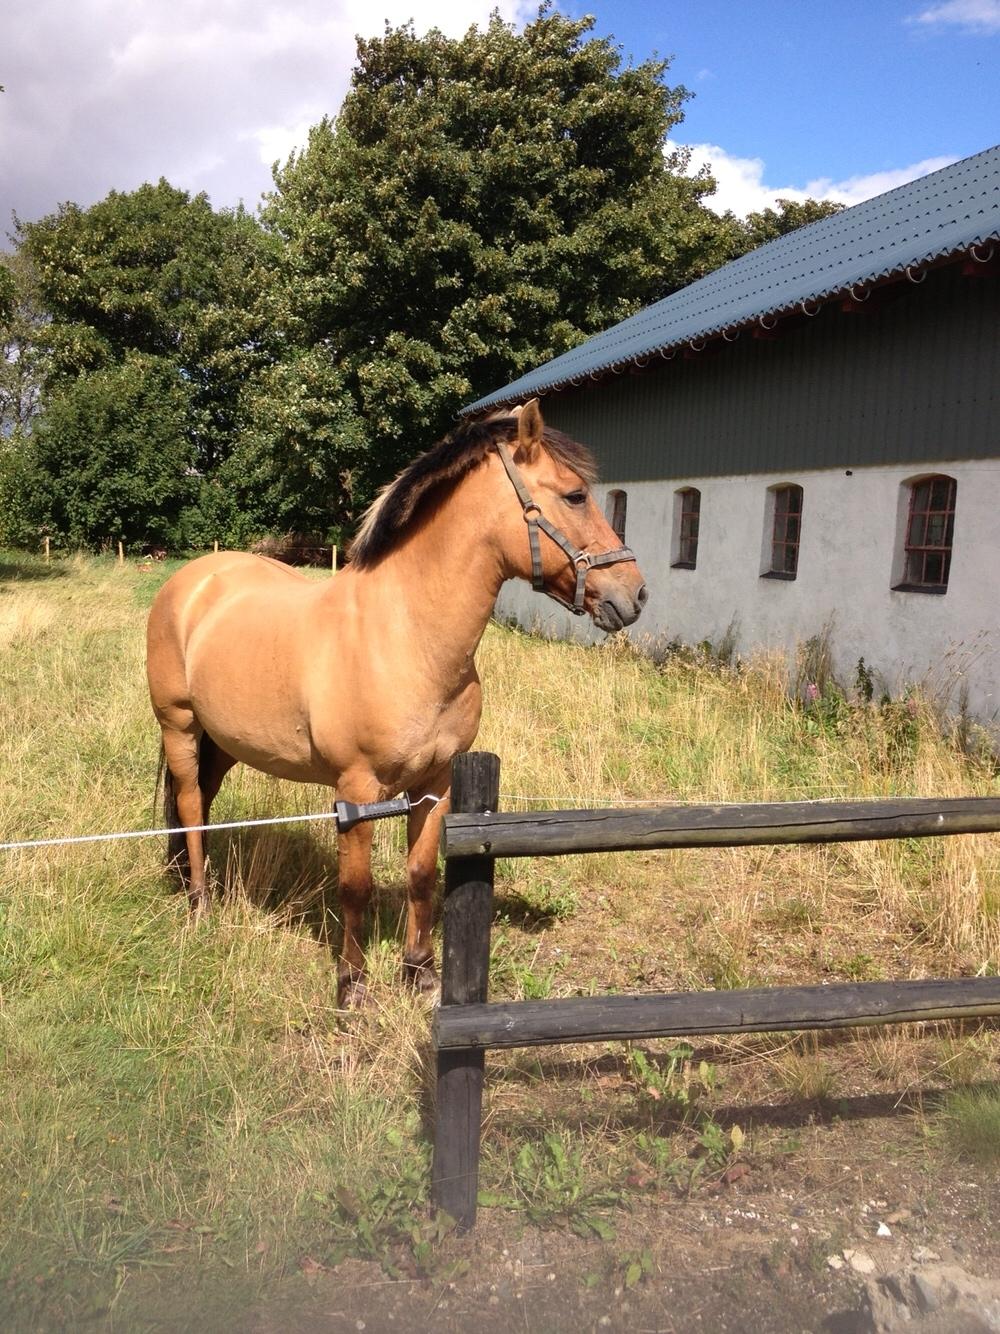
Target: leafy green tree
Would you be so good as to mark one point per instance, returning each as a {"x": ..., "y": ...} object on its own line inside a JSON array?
[
  {"x": 21, "y": 322},
  {"x": 7, "y": 290},
  {"x": 159, "y": 273},
  {"x": 111, "y": 459},
  {"x": 790, "y": 214},
  {"x": 731, "y": 236},
  {"x": 297, "y": 463},
  {"x": 478, "y": 206}
]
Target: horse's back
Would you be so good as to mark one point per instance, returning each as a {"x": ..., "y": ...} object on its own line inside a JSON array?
[{"x": 222, "y": 576}]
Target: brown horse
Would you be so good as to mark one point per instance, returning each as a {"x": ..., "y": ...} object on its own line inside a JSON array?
[{"x": 367, "y": 682}]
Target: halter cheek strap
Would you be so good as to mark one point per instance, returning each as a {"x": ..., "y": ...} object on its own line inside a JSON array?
[{"x": 582, "y": 561}]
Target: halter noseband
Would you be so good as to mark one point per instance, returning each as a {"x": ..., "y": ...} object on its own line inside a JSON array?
[{"x": 582, "y": 561}]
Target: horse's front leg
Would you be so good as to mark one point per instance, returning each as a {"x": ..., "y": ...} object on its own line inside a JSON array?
[
  {"x": 423, "y": 837},
  {"x": 354, "y": 850}
]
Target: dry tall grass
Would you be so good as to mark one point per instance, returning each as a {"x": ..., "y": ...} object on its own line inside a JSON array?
[{"x": 171, "y": 1093}]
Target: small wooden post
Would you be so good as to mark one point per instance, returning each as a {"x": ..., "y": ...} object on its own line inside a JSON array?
[
  {"x": 215, "y": 546},
  {"x": 333, "y": 560},
  {"x": 465, "y": 967},
  {"x": 121, "y": 554},
  {"x": 46, "y": 551}
]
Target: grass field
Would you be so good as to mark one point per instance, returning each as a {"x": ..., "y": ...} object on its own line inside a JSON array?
[{"x": 187, "y": 1104}]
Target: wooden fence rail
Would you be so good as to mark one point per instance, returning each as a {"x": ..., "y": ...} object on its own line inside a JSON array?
[
  {"x": 555, "y": 833},
  {"x": 475, "y": 833}
]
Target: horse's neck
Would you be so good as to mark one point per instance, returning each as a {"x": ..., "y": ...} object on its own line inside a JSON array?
[{"x": 438, "y": 587}]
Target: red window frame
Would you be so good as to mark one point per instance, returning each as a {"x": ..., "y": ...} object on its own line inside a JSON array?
[
  {"x": 687, "y": 534},
  {"x": 930, "y": 533},
  {"x": 786, "y": 533}
]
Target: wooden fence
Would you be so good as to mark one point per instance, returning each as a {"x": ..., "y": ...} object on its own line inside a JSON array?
[{"x": 475, "y": 834}]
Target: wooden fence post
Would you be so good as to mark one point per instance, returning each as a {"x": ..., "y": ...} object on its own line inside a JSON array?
[{"x": 465, "y": 966}]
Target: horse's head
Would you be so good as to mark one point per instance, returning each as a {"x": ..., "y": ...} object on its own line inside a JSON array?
[{"x": 558, "y": 539}]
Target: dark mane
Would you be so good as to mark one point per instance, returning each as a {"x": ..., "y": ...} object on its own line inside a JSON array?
[{"x": 445, "y": 465}]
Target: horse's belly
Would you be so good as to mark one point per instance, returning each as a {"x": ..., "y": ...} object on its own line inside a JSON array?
[
  {"x": 276, "y": 745},
  {"x": 249, "y": 707}
]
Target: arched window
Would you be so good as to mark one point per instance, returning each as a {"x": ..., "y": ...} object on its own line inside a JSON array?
[
  {"x": 615, "y": 507},
  {"x": 785, "y": 506},
  {"x": 687, "y": 518},
  {"x": 928, "y": 536}
]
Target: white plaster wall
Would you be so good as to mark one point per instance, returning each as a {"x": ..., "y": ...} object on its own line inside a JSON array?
[{"x": 847, "y": 562}]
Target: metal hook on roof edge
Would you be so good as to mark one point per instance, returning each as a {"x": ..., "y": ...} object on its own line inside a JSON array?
[
  {"x": 922, "y": 274},
  {"x": 867, "y": 291},
  {"x": 696, "y": 344},
  {"x": 730, "y": 338},
  {"x": 764, "y": 324},
  {"x": 984, "y": 259},
  {"x": 804, "y": 307}
]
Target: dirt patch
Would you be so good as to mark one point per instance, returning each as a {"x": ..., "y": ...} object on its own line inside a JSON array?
[{"x": 776, "y": 1250}]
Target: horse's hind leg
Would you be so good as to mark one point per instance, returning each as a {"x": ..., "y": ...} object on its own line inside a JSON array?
[
  {"x": 177, "y": 854},
  {"x": 213, "y": 765},
  {"x": 181, "y": 751}
]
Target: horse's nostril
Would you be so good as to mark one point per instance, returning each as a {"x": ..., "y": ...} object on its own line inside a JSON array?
[{"x": 642, "y": 597}]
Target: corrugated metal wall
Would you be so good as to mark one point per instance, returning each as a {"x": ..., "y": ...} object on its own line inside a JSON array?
[{"x": 916, "y": 381}]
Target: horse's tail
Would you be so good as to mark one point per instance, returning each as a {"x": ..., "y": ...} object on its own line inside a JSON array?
[{"x": 177, "y": 853}]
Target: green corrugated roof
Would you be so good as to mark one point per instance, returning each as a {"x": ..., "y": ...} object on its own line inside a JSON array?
[{"x": 928, "y": 220}]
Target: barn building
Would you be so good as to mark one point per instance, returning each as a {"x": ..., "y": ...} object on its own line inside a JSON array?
[{"x": 805, "y": 444}]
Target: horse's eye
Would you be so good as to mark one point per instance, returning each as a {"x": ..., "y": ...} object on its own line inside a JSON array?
[{"x": 576, "y": 498}]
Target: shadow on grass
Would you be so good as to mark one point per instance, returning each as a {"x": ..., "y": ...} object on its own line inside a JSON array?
[
  {"x": 291, "y": 874},
  {"x": 28, "y": 570},
  {"x": 789, "y": 1113},
  {"x": 518, "y": 910}
]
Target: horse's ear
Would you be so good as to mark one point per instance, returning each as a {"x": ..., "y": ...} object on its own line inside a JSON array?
[{"x": 529, "y": 431}]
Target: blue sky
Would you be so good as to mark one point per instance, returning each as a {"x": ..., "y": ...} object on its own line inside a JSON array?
[
  {"x": 826, "y": 89},
  {"x": 839, "y": 99}
]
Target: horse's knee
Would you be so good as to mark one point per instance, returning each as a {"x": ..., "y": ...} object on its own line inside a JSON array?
[{"x": 421, "y": 876}]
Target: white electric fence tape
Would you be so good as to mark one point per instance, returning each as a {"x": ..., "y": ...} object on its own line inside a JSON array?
[{"x": 180, "y": 829}]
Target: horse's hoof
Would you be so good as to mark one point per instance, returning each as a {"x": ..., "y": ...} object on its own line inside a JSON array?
[
  {"x": 423, "y": 978},
  {"x": 352, "y": 994},
  {"x": 200, "y": 905}
]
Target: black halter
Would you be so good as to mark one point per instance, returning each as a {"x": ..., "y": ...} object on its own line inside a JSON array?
[{"x": 583, "y": 561}]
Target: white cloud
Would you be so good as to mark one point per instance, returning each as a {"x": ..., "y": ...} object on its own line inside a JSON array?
[
  {"x": 742, "y": 187},
  {"x": 106, "y": 94},
  {"x": 970, "y": 15}
]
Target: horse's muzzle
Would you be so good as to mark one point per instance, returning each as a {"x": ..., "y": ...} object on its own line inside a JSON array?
[{"x": 619, "y": 608}]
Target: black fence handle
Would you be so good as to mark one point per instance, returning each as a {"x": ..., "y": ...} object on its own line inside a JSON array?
[{"x": 349, "y": 813}]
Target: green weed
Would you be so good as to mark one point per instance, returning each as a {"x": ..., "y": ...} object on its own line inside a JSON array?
[
  {"x": 670, "y": 1084},
  {"x": 636, "y": 1266},
  {"x": 970, "y": 1121},
  {"x": 389, "y": 1220},
  {"x": 553, "y": 1187}
]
